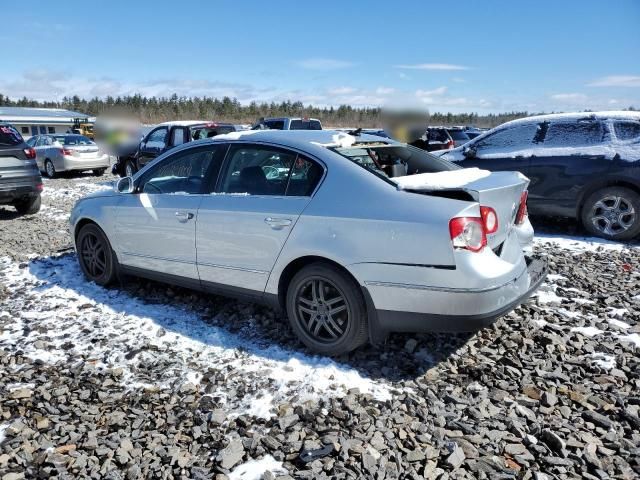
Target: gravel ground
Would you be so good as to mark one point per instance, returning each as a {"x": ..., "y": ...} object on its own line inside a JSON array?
[{"x": 150, "y": 381}]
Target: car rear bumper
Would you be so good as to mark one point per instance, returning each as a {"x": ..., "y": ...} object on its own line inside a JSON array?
[
  {"x": 453, "y": 310},
  {"x": 19, "y": 188},
  {"x": 74, "y": 163}
]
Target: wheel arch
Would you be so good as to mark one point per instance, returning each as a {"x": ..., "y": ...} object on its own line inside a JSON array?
[
  {"x": 375, "y": 332},
  {"x": 604, "y": 183}
]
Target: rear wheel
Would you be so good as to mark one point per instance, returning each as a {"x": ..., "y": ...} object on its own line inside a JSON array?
[
  {"x": 29, "y": 206},
  {"x": 613, "y": 213},
  {"x": 49, "y": 169},
  {"x": 98, "y": 172},
  {"x": 96, "y": 258},
  {"x": 326, "y": 309}
]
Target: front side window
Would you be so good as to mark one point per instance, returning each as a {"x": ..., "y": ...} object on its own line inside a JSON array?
[
  {"x": 574, "y": 134},
  {"x": 257, "y": 170},
  {"x": 509, "y": 139},
  {"x": 191, "y": 171},
  {"x": 157, "y": 138},
  {"x": 627, "y": 130}
]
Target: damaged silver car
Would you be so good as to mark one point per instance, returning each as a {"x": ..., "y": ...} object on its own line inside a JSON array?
[{"x": 352, "y": 236}]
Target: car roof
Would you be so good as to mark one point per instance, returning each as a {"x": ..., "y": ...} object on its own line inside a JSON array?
[
  {"x": 622, "y": 114},
  {"x": 190, "y": 123}
]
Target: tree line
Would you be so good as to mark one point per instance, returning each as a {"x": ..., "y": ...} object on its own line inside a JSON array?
[{"x": 151, "y": 110}]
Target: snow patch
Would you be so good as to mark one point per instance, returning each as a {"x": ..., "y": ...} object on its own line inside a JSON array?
[
  {"x": 546, "y": 295},
  {"x": 3, "y": 428},
  {"x": 603, "y": 360},
  {"x": 441, "y": 180},
  {"x": 580, "y": 244},
  {"x": 587, "y": 331},
  {"x": 633, "y": 338},
  {"x": 540, "y": 322},
  {"x": 617, "y": 312},
  {"x": 554, "y": 277},
  {"x": 255, "y": 469},
  {"x": 618, "y": 323}
]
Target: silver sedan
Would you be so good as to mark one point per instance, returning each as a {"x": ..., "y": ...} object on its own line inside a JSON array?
[
  {"x": 68, "y": 152},
  {"x": 352, "y": 237}
]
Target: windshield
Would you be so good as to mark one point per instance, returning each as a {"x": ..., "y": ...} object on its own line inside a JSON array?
[
  {"x": 71, "y": 140},
  {"x": 392, "y": 160}
]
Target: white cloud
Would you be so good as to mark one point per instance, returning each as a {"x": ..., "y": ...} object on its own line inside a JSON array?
[
  {"x": 429, "y": 93},
  {"x": 324, "y": 64},
  {"x": 385, "y": 90},
  {"x": 570, "y": 97},
  {"x": 432, "y": 66},
  {"x": 341, "y": 91},
  {"x": 616, "y": 81}
]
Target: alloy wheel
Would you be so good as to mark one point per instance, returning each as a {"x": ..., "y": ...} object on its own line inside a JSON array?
[
  {"x": 49, "y": 169},
  {"x": 323, "y": 310},
  {"x": 93, "y": 255},
  {"x": 613, "y": 214}
]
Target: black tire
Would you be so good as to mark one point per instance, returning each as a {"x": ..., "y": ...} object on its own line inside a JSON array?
[
  {"x": 129, "y": 169},
  {"x": 98, "y": 172},
  {"x": 612, "y": 213},
  {"x": 97, "y": 259},
  {"x": 49, "y": 169},
  {"x": 30, "y": 206},
  {"x": 326, "y": 325}
]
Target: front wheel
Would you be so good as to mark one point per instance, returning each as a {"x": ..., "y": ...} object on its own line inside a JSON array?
[
  {"x": 326, "y": 309},
  {"x": 49, "y": 169},
  {"x": 613, "y": 213},
  {"x": 30, "y": 206},
  {"x": 96, "y": 258}
]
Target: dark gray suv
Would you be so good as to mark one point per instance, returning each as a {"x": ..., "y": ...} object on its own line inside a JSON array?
[{"x": 20, "y": 181}]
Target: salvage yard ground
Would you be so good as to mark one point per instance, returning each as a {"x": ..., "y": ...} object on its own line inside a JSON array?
[{"x": 147, "y": 380}]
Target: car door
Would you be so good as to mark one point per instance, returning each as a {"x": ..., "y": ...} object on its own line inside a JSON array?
[
  {"x": 573, "y": 154},
  {"x": 507, "y": 149},
  {"x": 153, "y": 145},
  {"x": 156, "y": 225},
  {"x": 242, "y": 228}
]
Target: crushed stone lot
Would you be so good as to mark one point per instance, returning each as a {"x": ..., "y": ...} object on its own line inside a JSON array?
[{"x": 152, "y": 381}]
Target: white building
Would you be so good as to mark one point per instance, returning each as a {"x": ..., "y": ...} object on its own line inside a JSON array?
[{"x": 37, "y": 121}]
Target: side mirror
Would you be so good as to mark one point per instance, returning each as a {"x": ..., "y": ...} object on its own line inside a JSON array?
[
  {"x": 125, "y": 185},
  {"x": 469, "y": 152}
]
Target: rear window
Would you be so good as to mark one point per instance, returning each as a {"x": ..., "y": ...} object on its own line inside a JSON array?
[
  {"x": 305, "y": 125},
  {"x": 627, "y": 130},
  {"x": 458, "y": 135},
  {"x": 275, "y": 124},
  {"x": 573, "y": 134},
  {"x": 72, "y": 140},
  {"x": 438, "y": 135},
  {"x": 9, "y": 136}
]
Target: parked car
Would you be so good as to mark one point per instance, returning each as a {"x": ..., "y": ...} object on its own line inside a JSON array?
[
  {"x": 458, "y": 135},
  {"x": 20, "y": 181},
  {"x": 433, "y": 139},
  {"x": 68, "y": 152},
  {"x": 581, "y": 165},
  {"x": 287, "y": 123},
  {"x": 312, "y": 223},
  {"x": 163, "y": 138}
]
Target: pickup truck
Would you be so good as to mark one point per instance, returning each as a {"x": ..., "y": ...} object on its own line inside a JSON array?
[
  {"x": 287, "y": 123},
  {"x": 164, "y": 137}
]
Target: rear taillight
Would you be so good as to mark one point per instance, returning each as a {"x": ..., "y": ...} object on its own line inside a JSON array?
[
  {"x": 522, "y": 214},
  {"x": 490, "y": 219},
  {"x": 30, "y": 153},
  {"x": 468, "y": 233},
  {"x": 66, "y": 151},
  {"x": 450, "y": 144},
  {"x": 39, "y": 187}
]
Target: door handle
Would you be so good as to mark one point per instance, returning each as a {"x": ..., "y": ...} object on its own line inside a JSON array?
[
  {"x": 277, "y": 223},
  {"x": 184, "y": 216}
]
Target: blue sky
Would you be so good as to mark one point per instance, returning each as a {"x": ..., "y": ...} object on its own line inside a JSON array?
[{"x": 482, "y": 56}]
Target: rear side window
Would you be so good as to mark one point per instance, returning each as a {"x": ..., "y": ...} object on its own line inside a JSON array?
[
  {"x": 9, "y": 136},
  {"x": 257, "y": 170},
  {"x": 574, "y": 134},
  {"x": 275, "y": 124},
  {"x": 514, "y": 138},
  {"x": 304, "y": 178},
  {"x": 627, "y": 130}
]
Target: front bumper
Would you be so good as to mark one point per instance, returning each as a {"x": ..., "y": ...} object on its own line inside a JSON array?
[
  {"x": 462, "y": 304},
  {"x": 75, "y": 163}
]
